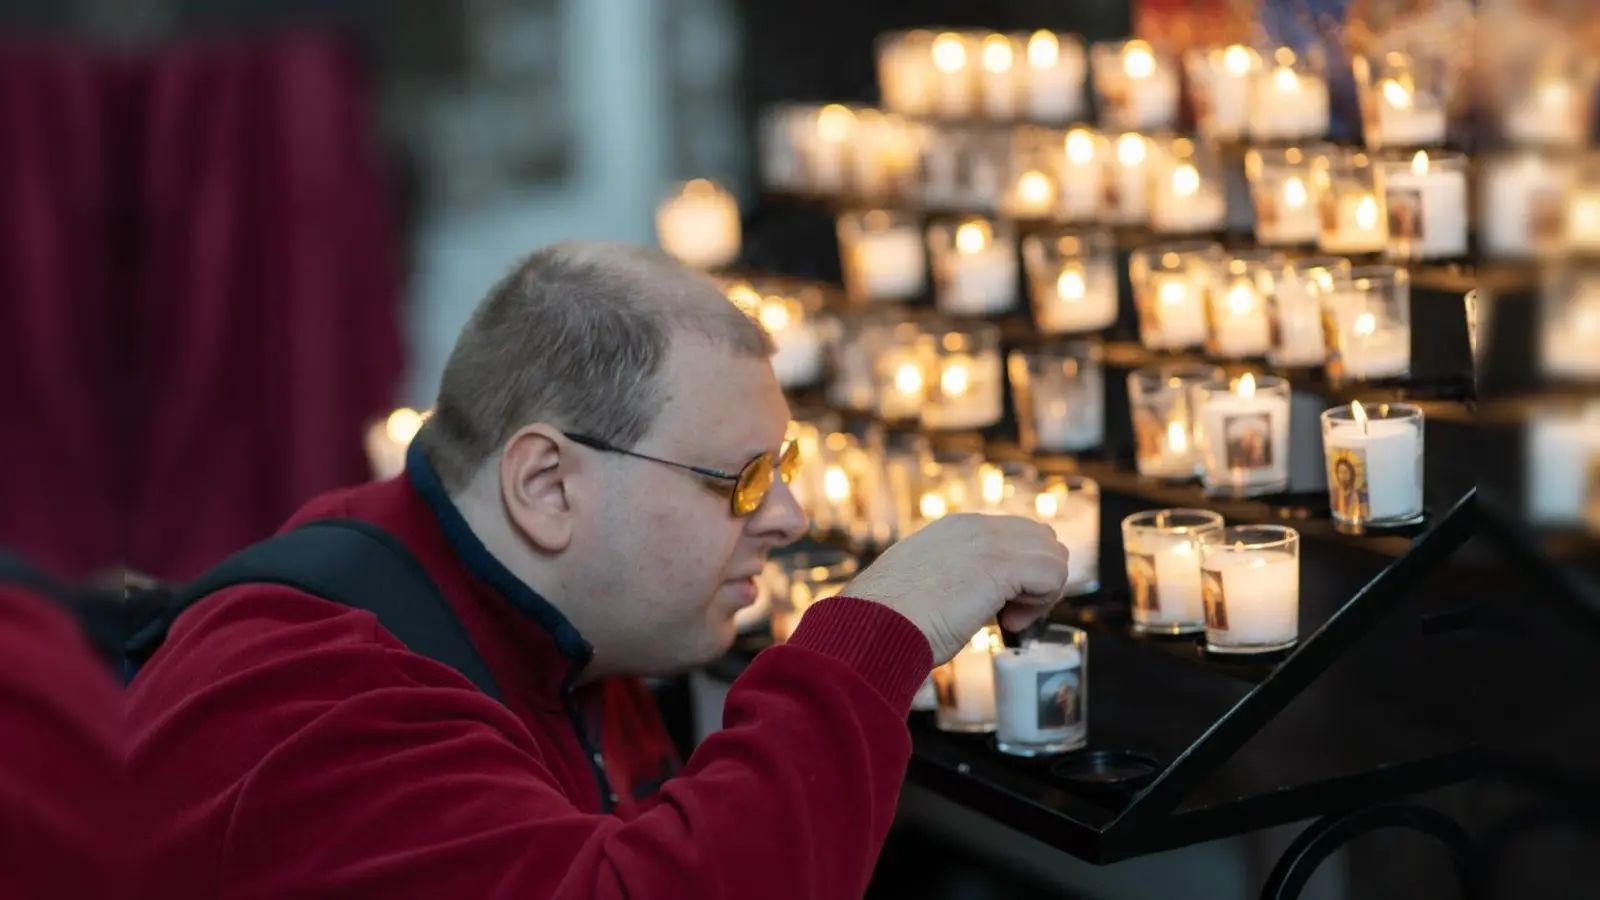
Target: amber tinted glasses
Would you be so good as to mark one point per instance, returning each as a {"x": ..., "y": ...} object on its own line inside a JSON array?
[{"x": 750, "y": 485}]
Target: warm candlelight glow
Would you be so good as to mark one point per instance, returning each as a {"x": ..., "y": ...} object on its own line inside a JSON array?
[
  {"x": 1247, "y": 386},
  {"x": 1035, "y": 188},
  {"x": 984, "y": 642},
  {"x": 1046, "y": 505},
  {"x": 403, "y": 425},
  {"x": 699, "y": 187},
  {"x": 1241, "y": 298},
  {"x": 949, "y": 53},
  {"x": 1177, "y": 437},
  {"x": 1586, "y": 213},
  {"x": 1419, "y": 163},
  {"x": 955, "y": 380},
  {"x": 908, "y": 379},
  {"x": 774, "y": 315},
  {"x": 997, "y": 56},
  {"x": 1396, "y": 94},
  {"x": 972, "y": 236},
  {"x": 1070, "y": 285},
  {"x": 836, "y": 485},
  {"x": 1286, "y": 80},
  {"x": 745, "y": 297},
  {"x": 1185, "y": 180},
  {"x": 1138, "y": 61},
  {"x": 834, "y": 123},
  {"x": 1365, "y": 324},
  {"x": 1173, "y": 293},
  {"x": 933, "y": 506},
  {"x": 1080, "y": 147},
  {"x": 1294, "y": 193},
  {"x": 1236, "y": 60},
  {"x": 1044, "y": 50},
  {"x": 1367, "y": 212},
  {"x": 1358, "y": 413},
  {"x": 1130, "y": 149},
  {"x": 993, "y": 485}
]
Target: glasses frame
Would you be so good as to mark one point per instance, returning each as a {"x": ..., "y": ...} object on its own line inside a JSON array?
[{"x": 756, "y": 476}]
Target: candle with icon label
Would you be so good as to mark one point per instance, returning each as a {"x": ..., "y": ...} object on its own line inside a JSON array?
[
  {"x": 1041, "y": 693},
  {"x": 975, "y": 267},
  {"x": 1374, "y": 464},
  {"x": 1163, "y": 557},
  {"x": 1250, "y": 585},
  {"x": 1243, "y": 430},
  {"x": 965, "y": 685}
]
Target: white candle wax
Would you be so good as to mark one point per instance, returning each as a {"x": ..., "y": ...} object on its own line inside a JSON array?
[
  {"x": 1389, "y": 455},
  {"x": 1517, "y": 195},
  {"x": 1079, "y": 299},
  {"x": 1552, "y": 116},
  {"x": 998, "y": 80},
  {"x": 977, "y": 403},
  {"x": 1560, "y": 455},
  {"x": 798, "y": 357},
  {"x": 1071, "y": 420},
  {"x": 1152, "y": 102},
  {"x": 1410, "y": 126},
  {"x": 1287, "y": 215},
  {"x": 1039, "y": 695},
  {"x": 1260, "y": 599},
  {"x": 1229, "y": 96},
  {"x": 971, "y": 673},
  {"x": 1358, "y": 225},
  {"x": 1082, "y": 185},
  {"x": 1242, "y": 327},
  {"x": 1300, "y": 341},
  {"x": 1176, "y": 587},
  {"x": 1175, "y": 211},
  {"x": 699, "y": 228},
  {"x": 980, "y": 283},
  {"x": 1435, "y": 203},
  {"x": 1131, "y": 183},
  {"x": 1571, "y": 346},
  {"x": 1291, "y": 105},
  {"x": 1383, "y": 353},
  {"x": 1246, "y": 439},
  {"x": 1077, "y": 526},
  {"x": 888, "y": 265},
  {"x": 1055, "y": 92},
  {"x": 1179, "y": 313}
]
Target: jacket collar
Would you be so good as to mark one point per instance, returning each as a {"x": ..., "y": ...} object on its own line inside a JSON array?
[{"x": 482, "y": 564}]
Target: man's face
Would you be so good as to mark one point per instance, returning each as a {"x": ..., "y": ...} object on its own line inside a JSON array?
[{"x": 665, "y": 552}]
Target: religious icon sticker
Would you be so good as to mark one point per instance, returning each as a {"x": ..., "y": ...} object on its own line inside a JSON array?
[
  {"x": 1406, "y": 222},
  {"x": 1214, "y": 599},
  {"x": 1142, "y": 581},
  {"x": 1247, "y": 440},
  {"x": 1057, "y": 695},
  {"x": 1347, "y": 484}
]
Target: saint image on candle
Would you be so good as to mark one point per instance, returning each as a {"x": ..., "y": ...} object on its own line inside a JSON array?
[
  {"x": 1248, "y": 440},
  {"x": 1214, "y": 600},
  {"x": 1142, "y": 582},
  {"x": 1347, "y": 480},
  {"x": 1058, "y": 699}
]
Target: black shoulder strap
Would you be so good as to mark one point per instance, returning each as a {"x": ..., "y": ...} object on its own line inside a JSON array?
[
  {"x": 350, "y": 562},
  {"x": 98, "y": 611}
]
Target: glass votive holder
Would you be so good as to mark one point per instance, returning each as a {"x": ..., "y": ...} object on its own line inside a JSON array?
[
  {"x": 841, "y": 503},
  {"x": 884, "y": 152},
  {"x": 1297, "y": 339},
  {"x": 1072, "y": 280},
  {"x": 1059, "y": 391},
  {"x": 1281, "y": 183},
  {"x": 881, "y": 255},
  {"x": 1188, "y": 188},
  {"x": 698, "y": 225},
  {"x": 1054, "y": 70},
  {"x": 1250, "y": 585},
  {"x": 1243, "y": 283},
  {"x": 1561, "y": 441},
  {"x": 1522, "y": 203},
  {"x": 949, "y": 485},
  {"x": 1083, "y": 167},
  {"x": 1470, "y": 302},
  {"x": 1289, "y": 98},
  {"x": 901, "y": 369},
  {"x": 806, "y": 429},
  {"x": 1366, "y": 320},
  {"x": 953, "y": 73},
  {"x": 1242, "y": 427},
  {"x": 1006, "y": 488},
  {"x": 792, "y": 314},
  {"x": 858, "y": 338},
  {"x": 965, "y": 377},
  {"x": 1070, "y": 504},
  {"x": 801, "y": 580},
  {"x": 1219, "y": 80},
  {"x": 906, "y": 456},
  {"x": 1042, "y": 693},
  {"x": 1162, "y": 549},
  {"x": 1031, "y": 193},
  {"x": 1349, "y": 204},
  {"x": 1170, "y": 282},
  {"x": 1404, "y": 98},
  {"x": 1160, "y": 399},
  {"x": 1569, "y": 323},
  {"x": 1374, "y": 464},
  {"x": 1126, "y": 198},
  {"x": 975, "y": 270},
  {"x": 905, "y": 71},
  {"x": 826, "y": 148},
  {"x": 777, "y": 146},
  {"x": 1136, "y": 85},
  {"x": 1425, "y": 198},
  {"x": 965, "y": 685},
  {"x": 999, "y": 76},
  {"x": 1549, "y": 101}
]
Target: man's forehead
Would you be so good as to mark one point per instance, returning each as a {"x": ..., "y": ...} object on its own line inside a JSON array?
[{"x": 713, "y": 399}]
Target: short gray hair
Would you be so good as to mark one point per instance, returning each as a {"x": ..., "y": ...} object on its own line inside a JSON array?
[{"x": 575, "y": 335}]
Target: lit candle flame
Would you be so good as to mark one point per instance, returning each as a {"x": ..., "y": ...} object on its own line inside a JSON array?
[
  {"x": 1080, "y": 147},
  {"x": 1247, "y": 386},
  {"x": 1367, "y": 213},
  {"x": 997, "y": 55},
  {"x": 1419, "y": 163},
  {"x": 949, "y": 53},
  {"x": 1236, "y": 60},
  {"x": 834, "y": 123},
  {"x": 1035, "y": 188},
  {"x": 1294, "y": 193},
  {"x": 908, "y": 379},
  {"x": 1044, "y": 50},
  {"x": 403, "y": 425},
  {"x": 972, "y": 236},
  {"x": 1286, "y": 80},
  {"x": 1177, "y": 437},
  {"x": 933, "y": 507},
  {"x": 1173, "y": 292},
  {"x": 955, "y": 380},
  {"x": 774, "y": 315},
  {"x": 1131, "y": 149},
  {"x": 1185, "y": 180},
  {"x": 1070, "y": 285},
  {"x": 1358, "y": 413},
  {"x": 836, "y": 484},
  {"x": 1395, "y": 94},
  {"x": 1046, "y": 505},
  {"x": 1365, "y": 324},
  {"x": 994, "y": 485},
  {"x": 1241, "y": 299},
  {"x": 745, "y": 297},
  {"x": 1138, "y": 61}
]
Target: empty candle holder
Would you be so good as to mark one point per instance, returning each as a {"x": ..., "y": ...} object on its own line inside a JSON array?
[
  {"x": 1522, "y": 203},
  {"x": 975, "y": 270},
  {"x": 1569, "y": 323},
  {"x": 1425, "y": 199},
  {"x": 1042, "y": 693},
  {"x": 1070, "y": 504},
  {"x": 1289, "y": 97},
  {"x": 1169, "y": 283},
  {"x": 801, "y": 579},
  {"x": 1188, "y": 188},
  {"x": 1136, "y": 85},
  {"x": 1160, "y": 399},
  {"x": 698, "y": 225},
  {"x": 965, "y": 381},
  {"x": 1250, "y": 588},
  {"x": 965, "y": 685},
  {"x": 1374, "y": 464},
  {"x": 1072, "y": 280},
  {"x": 1242, "y": 285},
  {"x": 1059, "y": 392},
  {"x": 1404, "y": 98},
  {"x": 1349, "y": 203},
  {"x": 1281, "y": 182},
  {"x": 1366, "y": 320},
  {"x": 1162, "y": 549},
  {"x": 1242, "y": 427},
  {"x": 882, "y": 255},
  {"x": 1127, "y": 181},
  {"x": 1006, "y": 488},
  {"x": 1083, "y": 167},
  {"x": 1220, "y": 80},
  {"x": 1296, "y": 309}
]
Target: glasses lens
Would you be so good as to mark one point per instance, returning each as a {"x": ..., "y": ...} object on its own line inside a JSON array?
[
  {"x": 789, "y": 462},
  {"x": 754, "y": 482}
]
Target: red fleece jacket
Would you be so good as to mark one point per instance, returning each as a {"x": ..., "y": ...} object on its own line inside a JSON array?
[{"x": 284, "y": 746}]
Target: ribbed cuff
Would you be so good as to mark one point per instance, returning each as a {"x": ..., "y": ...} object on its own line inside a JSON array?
[{"x": 879, "y": 643}]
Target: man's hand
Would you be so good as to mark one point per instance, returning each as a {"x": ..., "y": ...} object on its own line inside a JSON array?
[{"x": 961, "y": 571}]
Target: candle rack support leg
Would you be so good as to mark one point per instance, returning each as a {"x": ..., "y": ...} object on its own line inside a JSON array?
[{"x": 1326, "y": 836}]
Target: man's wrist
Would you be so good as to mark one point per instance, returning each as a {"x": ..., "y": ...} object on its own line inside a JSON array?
[{"x": 880, "y": 644}]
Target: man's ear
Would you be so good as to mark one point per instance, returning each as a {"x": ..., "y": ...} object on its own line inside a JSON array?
[{"x": 534, "y": 486}]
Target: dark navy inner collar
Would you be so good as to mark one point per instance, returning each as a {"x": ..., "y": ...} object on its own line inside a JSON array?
[{"x": 483, "y": 564}]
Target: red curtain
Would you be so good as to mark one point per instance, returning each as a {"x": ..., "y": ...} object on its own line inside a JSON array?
[
  {"x": 267, "y": 327},
  {"x": 60, "y": 438}
]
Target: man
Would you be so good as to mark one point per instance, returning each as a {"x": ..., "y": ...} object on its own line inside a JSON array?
[{"x": 594, "y": 493}]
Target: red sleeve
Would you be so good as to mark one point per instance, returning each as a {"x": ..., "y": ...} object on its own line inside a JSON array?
[
  {"x": 60, "y": 758},
  {"x": 414, "y": 792}
]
